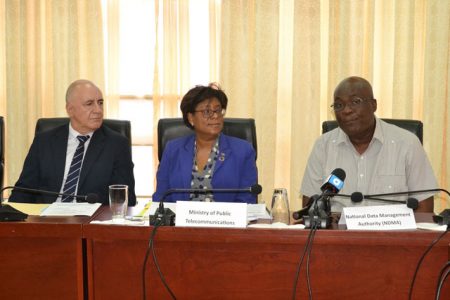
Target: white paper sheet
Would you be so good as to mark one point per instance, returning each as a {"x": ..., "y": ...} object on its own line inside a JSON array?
[{"x": 70, "y": 209}]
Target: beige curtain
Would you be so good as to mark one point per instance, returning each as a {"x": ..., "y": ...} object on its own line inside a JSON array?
[
  {"x": 112, "y": 42},
  {"x": 280, "y": 62},
  {"x": 172, "y": 58},
  {"x": 45, "y": 46}
]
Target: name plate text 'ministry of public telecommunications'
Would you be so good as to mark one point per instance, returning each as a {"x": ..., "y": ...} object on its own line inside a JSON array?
[{"x": 211, "y": 214}]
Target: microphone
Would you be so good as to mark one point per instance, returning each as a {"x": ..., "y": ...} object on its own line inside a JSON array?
[
  {"x": 9, "y": 213},
  {"x": 319, "y": 211},
  {"x": 255, "y": 189},
  {"x": 334, "y": 182},
  {"x": 166, "y": 217},
  {"x": 357, "y": 197},
  {"x": 90, "y": 198}
]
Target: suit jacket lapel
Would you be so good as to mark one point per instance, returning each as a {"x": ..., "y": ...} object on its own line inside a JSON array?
[
  {"x": 224, "y": 152},
  {"x": 58, "y": 148},
  {"x": 95, "y": 148},
  {"x": 186, "y": 160}
]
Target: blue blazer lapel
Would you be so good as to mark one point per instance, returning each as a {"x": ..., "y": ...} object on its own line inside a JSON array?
[
  {"x": 186, "y": 161},
  {"x": 95, "y": 148},
  {"x": 224, "y": 152}
]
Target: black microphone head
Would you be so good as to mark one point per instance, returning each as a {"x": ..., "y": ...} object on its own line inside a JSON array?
[
  {"x": 356, "y": 197},
  {"x": 335, "y": 182},
  {"x": 92, "y": 198},
  {"x": 296, "y": 215},
  {"x": 412, "y": 203},
  {"x": 338, "y": 172},
  {"x": 256, "y": 189}
]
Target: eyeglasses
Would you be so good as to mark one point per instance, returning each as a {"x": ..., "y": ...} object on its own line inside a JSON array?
[
  {"x": 209, "y": 113},
  {"x": 354, "y": 104}
]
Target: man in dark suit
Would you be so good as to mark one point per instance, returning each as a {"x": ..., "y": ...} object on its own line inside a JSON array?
[{"x": 79, "y": 158}]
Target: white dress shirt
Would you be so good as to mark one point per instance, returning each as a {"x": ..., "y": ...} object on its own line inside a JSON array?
[{"x": 72, "y": 144}]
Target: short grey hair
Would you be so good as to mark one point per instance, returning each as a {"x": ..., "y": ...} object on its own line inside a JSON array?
[{"x": 76, "y": 83}]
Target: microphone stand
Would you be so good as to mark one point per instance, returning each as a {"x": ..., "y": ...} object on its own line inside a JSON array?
[
  {"x": 9, "y": 213},
  {"x": 163, "y": 216},
  {"x": 319, "y": 217}
]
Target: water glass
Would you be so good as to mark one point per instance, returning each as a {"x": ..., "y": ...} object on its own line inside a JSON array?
[
  {"x": 118, "y": 201},
  {"x": 280, "y": 207}
]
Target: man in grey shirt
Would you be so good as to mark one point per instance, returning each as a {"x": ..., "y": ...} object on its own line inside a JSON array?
[{"x": 377, "y": 157}]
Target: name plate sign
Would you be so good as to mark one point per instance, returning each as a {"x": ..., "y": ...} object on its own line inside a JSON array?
[
  {"x": 211, "y": 214},
  {"x": 383, "y": 217}
]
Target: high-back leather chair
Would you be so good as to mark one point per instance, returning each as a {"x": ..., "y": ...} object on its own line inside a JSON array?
[
  {"x": 414, "y": 126},
  {"x": 171, "y": 128},
  {"x": 2, "y": 151},
  {"x": 121, "y": 126}
]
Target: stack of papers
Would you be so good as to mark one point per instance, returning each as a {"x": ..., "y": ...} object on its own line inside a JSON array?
[
  {"x": 431, "y": 226},
  {"x": 257, "y": 211}
]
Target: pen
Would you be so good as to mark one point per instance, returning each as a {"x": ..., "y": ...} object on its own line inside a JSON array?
[{"x": 144, "y": 210}]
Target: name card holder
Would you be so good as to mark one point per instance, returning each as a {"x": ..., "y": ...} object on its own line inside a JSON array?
[
  {"x": 383, "y": 217},
  {"x": 211, "y": 214}
]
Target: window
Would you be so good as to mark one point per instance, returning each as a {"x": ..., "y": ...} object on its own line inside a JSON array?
[{"x": 135, "y": 30}]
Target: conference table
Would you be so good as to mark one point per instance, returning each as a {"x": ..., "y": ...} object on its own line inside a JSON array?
[
  {"x": 254, "y": 263},
  {"x": 71, "y": 258},
  {"x": 42, "y": 258}
]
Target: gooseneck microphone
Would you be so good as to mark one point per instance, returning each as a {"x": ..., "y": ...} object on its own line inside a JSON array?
[
  {"x": 9, "y": 213},
  {"x": 166, "y": 217},
  {"x": 320, "y": 210},
  {"x": 255, "y": 189},
  {"x": 90, "y": 198},
  {"x": 357, "y": 197},
  {"x": 442, "y": 219}
]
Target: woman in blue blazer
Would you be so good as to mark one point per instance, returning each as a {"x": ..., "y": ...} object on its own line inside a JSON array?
[{"x": 207, "y": 159}]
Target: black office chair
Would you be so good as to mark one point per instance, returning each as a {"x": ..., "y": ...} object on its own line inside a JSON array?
[
  {"x": 2, "y": 151},
  {"x": 414, "y": 126},
  {"x": 171, "y": 128},
  {"x": 121, "y": 126}
]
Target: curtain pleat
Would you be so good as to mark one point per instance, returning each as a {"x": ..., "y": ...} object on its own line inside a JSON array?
[
  {"x": 46, "y": 45},
  {"x": 401, "y": 47}
]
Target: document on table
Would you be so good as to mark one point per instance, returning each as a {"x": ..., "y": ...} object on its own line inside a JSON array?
[
  {"x": 70, "y": 209},
  {"x": 257, "y": 211}
]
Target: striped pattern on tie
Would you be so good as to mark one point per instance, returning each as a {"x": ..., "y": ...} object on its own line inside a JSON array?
[{"x": 73, "y": 176}]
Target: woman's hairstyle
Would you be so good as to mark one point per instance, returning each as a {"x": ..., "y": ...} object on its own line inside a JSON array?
[{"x": 198, "y": 94}]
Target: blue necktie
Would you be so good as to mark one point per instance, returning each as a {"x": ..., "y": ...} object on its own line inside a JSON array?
[{"x": 71, "y": 183}]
